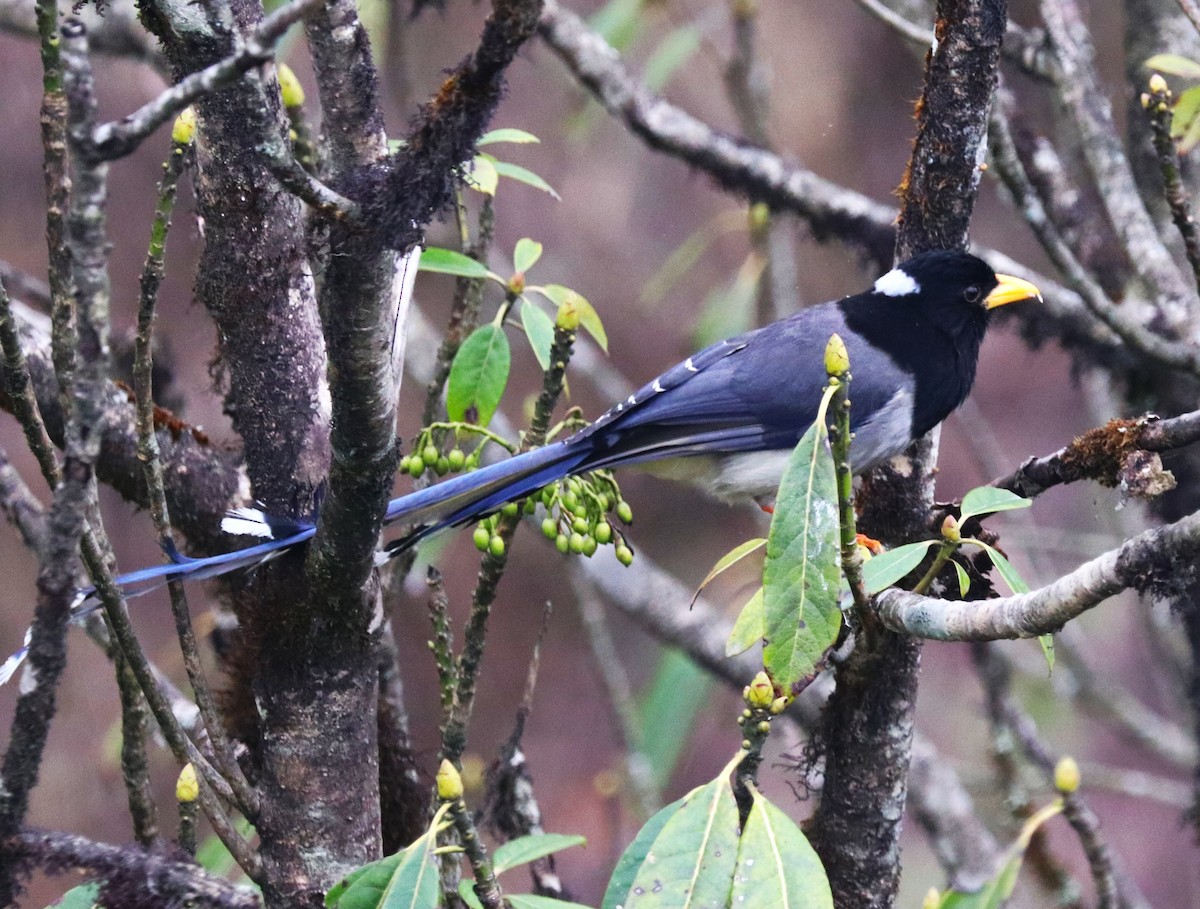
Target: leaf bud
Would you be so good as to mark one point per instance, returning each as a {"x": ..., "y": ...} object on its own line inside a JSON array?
[
  {"x": 184, "y": 130},
  {"x": 449, "y": 782},
  {"x": 759, "y": 693},
  {"x": 837, "y": 358},
  {"x": 1066, "y": 775},
  {"x": 187, "y": 787},
  {"x": 951, "y": 532},
  {"x": 290, "y": 87},
  {"x": 567, "y": 317}
]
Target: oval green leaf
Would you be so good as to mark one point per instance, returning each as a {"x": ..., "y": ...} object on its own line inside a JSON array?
[
  {"x": 802, "y": 571},
  {"x": 885, "y": 569},
  {"x": 507, "y": 134},
  {"x": 691, "y": 861},
  {"x": 588, "y": 317},
  {"x": 539, "y": 329},
  {"x": 748, "y": 629},
  {"x": 524, "y": 175},
  {"x": 479, "y": 374},
  {"x": 526, "y": 253},
  {"x": 525, "y": 849},
  {"x": 727, "y": 561},
  {"x": 776, "y": 865},
  {"x": 634, "y": 856},
  {"x": 964, "y": 579},
  {"x": 989, "y": 500},
  {"x": 450, "y": 262},
  {"x": 1174, "y": 64},
  {"x": 482, "y": 176},
  {"x": 533, "y": 901}
]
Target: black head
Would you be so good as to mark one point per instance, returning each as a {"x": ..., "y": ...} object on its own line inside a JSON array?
[{"x": 929, "y": 315}]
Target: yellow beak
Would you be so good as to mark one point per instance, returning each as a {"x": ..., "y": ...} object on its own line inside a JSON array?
[{"x": 1011, "y": 290}]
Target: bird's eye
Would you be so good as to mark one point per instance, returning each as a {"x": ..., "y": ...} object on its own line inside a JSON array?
[{"x": 972, "y": 294}]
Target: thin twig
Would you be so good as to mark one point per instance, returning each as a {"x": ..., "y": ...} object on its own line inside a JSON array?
[{"x": 1158, "y": 105}]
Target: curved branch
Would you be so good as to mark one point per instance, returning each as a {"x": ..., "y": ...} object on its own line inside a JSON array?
[{"x": 1139, "y": 563}]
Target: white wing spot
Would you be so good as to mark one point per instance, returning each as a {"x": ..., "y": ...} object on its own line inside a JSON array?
[
  {"x": 657, "y": 385},
  {"x": 631, "y": 400},
  {"x": 690, "y": 366},
  {"x": 897, "y": 283}
]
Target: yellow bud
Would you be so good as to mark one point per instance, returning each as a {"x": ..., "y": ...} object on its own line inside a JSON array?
[
  {"x": 449, "y": 782},
  {"x": 760, "y": 212},
  {"x": 1158, "y": 84},
  {"x": 779, "y": 705},
  {"x": 837, "y": 358},
  {"x": 516, "y": 284},
  {"x": 568, "y": 315},
  {"x": 950, "y": 530},
  {"x": 184, "y": 130},
  {"x": 1145, "y": 99},
  {"x": 187, "y": 787},
  {"x": 760, "y": 693},
  {"x": 290, "y": 87},
  {"x": 1066, "y": 775},
  {"x": 932, "y": 900}
]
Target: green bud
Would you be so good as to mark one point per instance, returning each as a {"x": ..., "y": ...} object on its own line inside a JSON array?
[
  {"x": 449, "y": 782},
  {"x": 416, "y": 466},
  {"x": 482, "y": 538},
  {"x": 603, "y": 532},
  {"x": 430, "y": 454},
  {"x": 764, "y": 727},
  {"x": 549, "y": 528},
  {"x": 837, "y": 358},
  {"x": 576, "y": 543},
  {"x": 569, "y": 500},
  {"x": 290, "y": 88},
  {"x": 530, "y": 505},
  {"x": 441, "y": 466},
  {"x": 548, "y": 496},
  {"x": 562, "y": 544},
  {"x": 511, "y": 509},
  {"x": 950, "y": 530},
  {"x": 184, "y": 130},
  {"x": 624, "y": 555},
  {"x": 456, "y": 458},
  {"x": 589, "y": 546},
  {"x": 759, "y": 693},
  {"x": 187, "y": 787},
  {"x": 496, "y": 546},
  {"x": 404, "y": 462},
  {"x": 624, "y": 512},
  {"x": 1066, "y": 775},
  {"x": 779, "y": 705},
  {"x": 580, "y": 525}
]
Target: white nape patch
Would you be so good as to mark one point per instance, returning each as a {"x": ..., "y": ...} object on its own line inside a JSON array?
[
  {"x": 897, "y": 283},
  {"x": 247, "y": 522}
]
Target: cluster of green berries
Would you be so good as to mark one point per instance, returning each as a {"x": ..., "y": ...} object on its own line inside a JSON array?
[
  {"x": 429, "y": 456},
  {"x": 577, "y": 515}
]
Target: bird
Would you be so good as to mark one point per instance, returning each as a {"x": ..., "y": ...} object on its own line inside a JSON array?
[{"x": 727, "y": 417}]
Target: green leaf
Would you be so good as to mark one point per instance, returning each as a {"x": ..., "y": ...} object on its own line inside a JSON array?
[
  {"x": 964, "y": 579},
  {"x": 618, "y": 21},
  {"x": 478, "y": 374},
  {"x": 1174, "y": 64},
  {"x": 885, "y": 569},
  {"x": 727, "y": 561},
  {"x": 994, "y": 893},
  {"x": 776, "y": 865},
  {"x": 690, "y": 863},
  {"x": 1185, "y": 119},
  {"x": 989, "y": 500},
  {"x": 82, "y": 897},
  {"x": 466, "y": 890},
  {"x": 672, "y": 53},
  {"x": 529, "y": 848},
  {"x": 449, "y": 262},
  {"x": 406, "y": 880},
  {"x": 748, "y": 629},
  {"x": 803, "y": 565},
  {"x": 539, "y": 329},
  {"x": 729, "y": 310},
  {"x": 635, "y": 855},
  {"x": 1003, "y": 566},
  {"x": 526, "y": 253},
  {"x": 482, "y": 175},
  {"x": 588, "y": 317},
  {"x": 507, "y": 134},
  {"x": 533, "y": 901},
  {"x": 1047, "y": 644},
  {"x": 523, "y": 175},
  {"x": 679, "y": 691}
]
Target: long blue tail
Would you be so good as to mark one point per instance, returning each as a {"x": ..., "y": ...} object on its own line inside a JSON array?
[{"x": 449, "y": 504}]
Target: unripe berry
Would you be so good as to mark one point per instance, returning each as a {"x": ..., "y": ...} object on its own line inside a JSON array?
[
  {"x": 482, "y": 537},
  {"x": 510, "y": 509},
  {"x": 456, "y": 458},
  {"x": 549, "y": 528},
  {"x": 589, "y": 546},
  {"x": 562, "y": 544},
  {"x": 576, "y": 543},
  {"x": 496, "y": 546},
  {"x": 430, "y": 454},
  {"x": 625, "y": 555},
  {"x": 441, "y": 466},
  {"x": 416, "y": 466},
  {"x": 624, "y": 512},
  {"x": 603, "y": 532}
]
